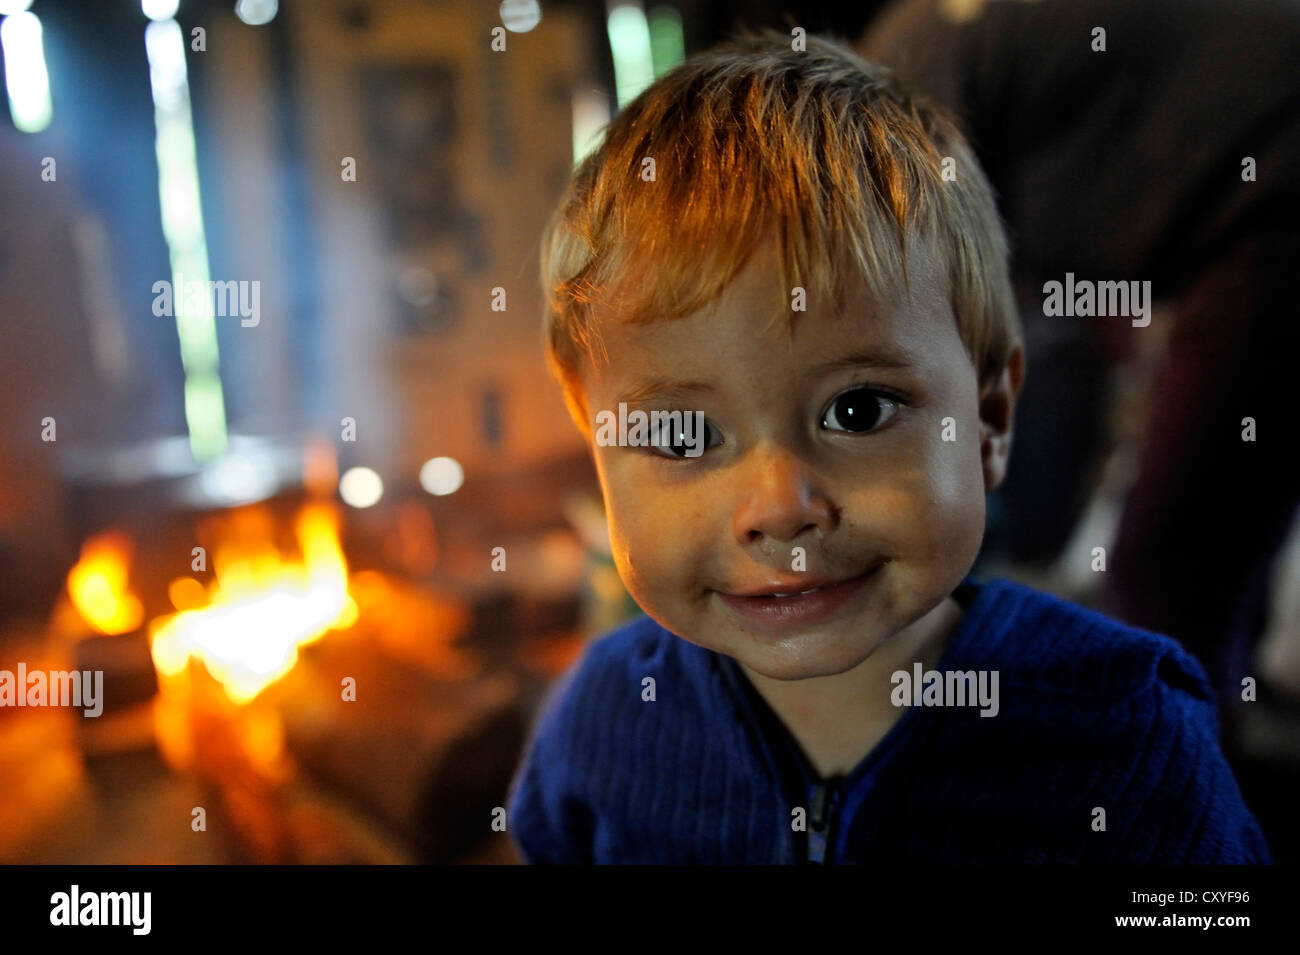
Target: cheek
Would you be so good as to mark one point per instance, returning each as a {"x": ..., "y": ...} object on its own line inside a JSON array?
[
  {"x": 647, "y": 534},
  {"x": 929, "y": 507},
  {"x": 958, "y": 504},
  {"x": 954, "y": 498}
]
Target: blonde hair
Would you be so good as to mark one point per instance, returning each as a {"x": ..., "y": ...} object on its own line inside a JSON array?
[{"x": 751, "y": 138}]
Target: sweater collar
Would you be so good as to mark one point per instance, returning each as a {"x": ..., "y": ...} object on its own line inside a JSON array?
[{"x": 777, "y": 748}]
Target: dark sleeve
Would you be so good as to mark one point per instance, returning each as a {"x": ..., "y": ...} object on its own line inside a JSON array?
[{"x": 1193, "y": 812}]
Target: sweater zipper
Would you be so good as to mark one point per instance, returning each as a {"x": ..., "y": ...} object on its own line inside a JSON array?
[{"x": 821, "y": 820}]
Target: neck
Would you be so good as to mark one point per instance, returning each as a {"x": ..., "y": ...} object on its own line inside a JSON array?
[{"x": 838, "y": 719}]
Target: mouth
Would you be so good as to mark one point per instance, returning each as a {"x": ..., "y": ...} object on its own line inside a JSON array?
[
  {"x": 786, "y": 590},
  {"x": 779, "y": 604}
]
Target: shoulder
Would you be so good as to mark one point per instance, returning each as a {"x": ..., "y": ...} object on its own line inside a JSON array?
[
  {"x": 611, "y": 670},
  {"x": 603, "y": 694},
  {"x": 593, "y": 732},
  {"x": 1132, "y": 713},
  {"x": 639, "y": 641},
  {"x": 1046, "y": 644},
  {"x": 597, "y": 679}
]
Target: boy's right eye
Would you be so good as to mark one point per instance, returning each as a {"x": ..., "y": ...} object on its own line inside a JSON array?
[{"x": 680, "y": 446}]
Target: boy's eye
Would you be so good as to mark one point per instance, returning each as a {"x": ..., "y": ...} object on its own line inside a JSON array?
[
  {"x": 670, "y": 442},
  {"x": 859, "y": 410}
]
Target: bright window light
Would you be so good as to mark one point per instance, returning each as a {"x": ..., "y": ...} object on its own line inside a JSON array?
[
  {"x": 182, "y": 224},
  {"x": 26, "y": 79},
  {"x": 629, "y": 43},
  {"x": 667, "y": 43},
  {"x": 160, "y": 9}
]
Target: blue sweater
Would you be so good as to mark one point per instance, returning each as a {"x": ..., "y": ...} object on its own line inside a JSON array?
[{"x": 1092, "y": 715}]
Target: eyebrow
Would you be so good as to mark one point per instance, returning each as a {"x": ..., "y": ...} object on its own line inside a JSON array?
[
  {"x": 644, "y": 388},
  {"x": 881, "y": 357}
]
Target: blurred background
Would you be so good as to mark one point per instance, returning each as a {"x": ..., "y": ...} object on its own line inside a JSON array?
[{"x": 330, "y": 535}]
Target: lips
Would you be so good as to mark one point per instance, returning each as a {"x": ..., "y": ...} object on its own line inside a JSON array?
[
  {"x": 779, "y": 604},
  {"x": 789, "y": 588}
]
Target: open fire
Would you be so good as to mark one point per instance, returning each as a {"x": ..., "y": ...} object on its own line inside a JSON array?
[
  {"x": 259, "y": 608},
  {"x": 246, "y": 625}
]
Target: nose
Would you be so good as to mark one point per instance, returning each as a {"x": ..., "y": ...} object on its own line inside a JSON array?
[{"x": 780, "y": 498}]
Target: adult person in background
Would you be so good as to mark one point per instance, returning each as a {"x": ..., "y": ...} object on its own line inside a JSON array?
[{"x": 1139, "y": 140}]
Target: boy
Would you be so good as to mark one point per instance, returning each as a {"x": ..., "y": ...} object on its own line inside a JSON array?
[{"x": 779, "y": 245}]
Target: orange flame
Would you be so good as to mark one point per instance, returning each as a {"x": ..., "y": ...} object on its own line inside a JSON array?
[
  {"x": 97, "y": 585},
  {"x": 260, "y": 608}
]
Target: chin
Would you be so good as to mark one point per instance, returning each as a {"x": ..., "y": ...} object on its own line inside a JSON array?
[{"x": 804, "y": 666}]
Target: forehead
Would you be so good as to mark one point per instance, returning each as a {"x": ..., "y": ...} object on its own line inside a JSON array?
[{"x": 747, "y": 334}]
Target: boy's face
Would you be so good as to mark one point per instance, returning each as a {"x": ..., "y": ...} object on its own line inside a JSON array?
[{"x": 855, "y": 463}]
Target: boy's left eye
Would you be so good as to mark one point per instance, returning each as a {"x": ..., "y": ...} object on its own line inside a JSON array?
[{"x": 859, "y": 410}]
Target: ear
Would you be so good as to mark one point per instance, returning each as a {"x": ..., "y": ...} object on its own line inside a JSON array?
[{"x": 997, "y": 412}]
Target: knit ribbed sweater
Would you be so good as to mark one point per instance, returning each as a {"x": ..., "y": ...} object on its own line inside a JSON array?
[{"x": 1103, "y": 749}]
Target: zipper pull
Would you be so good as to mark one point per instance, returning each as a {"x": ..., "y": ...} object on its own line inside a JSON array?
[
  {"x": 821, "y": 796},
  {"x": 820, "y": 817}
]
